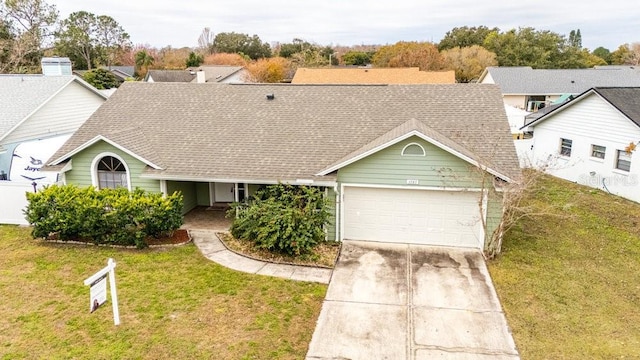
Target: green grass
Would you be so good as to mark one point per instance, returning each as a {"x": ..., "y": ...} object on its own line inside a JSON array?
[
  {"x": 174, "y": 304},
  {"x": 569, "y": 281}
]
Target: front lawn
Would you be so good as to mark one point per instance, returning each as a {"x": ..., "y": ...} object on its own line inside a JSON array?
[
  {"x": 174, "y": 304},
  {"x": 569, "y": 282}
]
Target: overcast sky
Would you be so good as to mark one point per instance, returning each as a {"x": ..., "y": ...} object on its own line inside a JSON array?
[{"x": 352, "y": 22}]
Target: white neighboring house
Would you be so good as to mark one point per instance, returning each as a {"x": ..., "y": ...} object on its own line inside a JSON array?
[
  {"x": 516, "y": 118},
  {"x": 532, "y": 89},
  {"x": 584, "y": 140},
  {"x": 37, "y": 114}
]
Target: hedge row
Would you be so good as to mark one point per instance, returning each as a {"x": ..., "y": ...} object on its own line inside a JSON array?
[{"x": 107, "y": 216}]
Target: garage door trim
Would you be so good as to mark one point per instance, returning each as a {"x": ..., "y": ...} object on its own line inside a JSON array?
[{"x": 482, "y": 234}]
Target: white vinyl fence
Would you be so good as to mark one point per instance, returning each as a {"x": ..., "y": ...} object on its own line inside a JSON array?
[{"x": 12, "y": 201}]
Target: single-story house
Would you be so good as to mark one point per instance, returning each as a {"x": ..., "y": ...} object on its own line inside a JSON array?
[
  {"x": 207, "y": 73},
  {"x": 401, "y": 163},
  {"x": 122, "y": 73},
  {"x": 369, "y": 75},
  {"x": 37, "y": 114},
  {"x": 585, "y": 140},
  {"x": 532, "y": 89}
]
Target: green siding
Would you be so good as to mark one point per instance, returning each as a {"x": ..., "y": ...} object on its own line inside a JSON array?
[
  {"x": 202, "y": 194},
  {"x": 494, "y": 214},
  {"x": 437, "y": 168},
  {"x": 388, "y": 167},
  {"x": 80, "y": 174},
  {"x": 189, "y": 193},
  {"x": 331, "y": 227}
]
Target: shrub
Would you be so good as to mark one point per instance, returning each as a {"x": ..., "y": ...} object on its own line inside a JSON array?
[
  {"x": 107, "y": 216},
  {"x": 283, "y": 218}
]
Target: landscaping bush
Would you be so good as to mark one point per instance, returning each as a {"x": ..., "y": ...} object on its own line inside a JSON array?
[
  {"x": 107, "y": 216},
  {"x": 283, "y": 218}
]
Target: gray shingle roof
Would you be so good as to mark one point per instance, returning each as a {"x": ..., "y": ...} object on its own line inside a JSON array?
[
  {"x": 171, "y": 75},
  {"x": 127, "y": 70},
  {"x": 627, "y": 100},
  {"x": 20, "y": 95},
  {"x": 527, "y": 81},
  {"x": 216, "y": 73},
  {"x": 234, "y": 132}
]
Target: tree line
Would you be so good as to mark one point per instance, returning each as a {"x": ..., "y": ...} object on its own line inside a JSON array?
[{"x": 31, "y": 29}]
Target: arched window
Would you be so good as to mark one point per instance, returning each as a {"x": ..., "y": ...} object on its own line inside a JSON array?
[
  {"x": 112, "y": 173},
  {"x": 413, "y": 149}
]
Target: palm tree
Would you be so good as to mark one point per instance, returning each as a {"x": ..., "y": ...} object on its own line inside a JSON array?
[{"x": 143, "y": 61}]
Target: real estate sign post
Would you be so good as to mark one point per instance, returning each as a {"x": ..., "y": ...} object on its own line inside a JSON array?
[{"x": 98, "y": 289}]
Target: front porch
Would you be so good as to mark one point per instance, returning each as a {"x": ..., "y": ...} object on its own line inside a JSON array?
[{"x": 207, "y": 218}]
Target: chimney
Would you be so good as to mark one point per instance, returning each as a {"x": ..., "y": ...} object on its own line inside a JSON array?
[
  {"x": 56, "y": 66},
  {"x": 200, "y": 79}
]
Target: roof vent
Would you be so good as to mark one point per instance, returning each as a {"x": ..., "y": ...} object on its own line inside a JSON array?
[
  {"x": 573, "y": 82},
  {"x": 270, "y": 96}
]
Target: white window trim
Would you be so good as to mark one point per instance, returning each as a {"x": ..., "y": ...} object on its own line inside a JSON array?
[
  {"x": 617, "y": 160},
  {"x": 570, "y": 148},
  {"x": 94, "y": 169},
  {"x": 604, "y": 152},
  {"x": 424, "y": 153}
]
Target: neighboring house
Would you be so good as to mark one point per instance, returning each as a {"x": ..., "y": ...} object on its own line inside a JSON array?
[
  {"x": 529, "y": 89},
  {"x": 584, "y": 140},
  {"x": 372, "y": 76},
  {"x": 516, "y": 118},
  {"x": 224, "y": 74},
  {"x": 37, "y": 114},
  {"x": 122, "y": 73},
  {"x": 399, "y": 163},
  {"x": 169, "y": 76},
  {"x": 207, "y": 73}
]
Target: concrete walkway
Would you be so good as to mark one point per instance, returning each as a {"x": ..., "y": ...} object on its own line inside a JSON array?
[
  {"x": 400, "y": 301},
  {"x": 213, "y": 249}
]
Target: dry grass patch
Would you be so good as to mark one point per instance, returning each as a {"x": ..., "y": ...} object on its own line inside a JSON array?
[
  {"x": 324, "y": 254},
  {"x": 174, "y": 304},
  {"x": 569, "y": 282}
]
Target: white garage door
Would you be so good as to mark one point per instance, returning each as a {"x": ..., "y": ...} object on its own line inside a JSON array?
[{"x": 448, "y": 218}]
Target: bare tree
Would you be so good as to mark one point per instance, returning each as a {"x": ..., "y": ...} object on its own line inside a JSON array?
[{"x": 205, "y": 40}]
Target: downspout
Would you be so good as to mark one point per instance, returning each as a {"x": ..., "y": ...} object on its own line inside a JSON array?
[{"x": 604, "y": 184}]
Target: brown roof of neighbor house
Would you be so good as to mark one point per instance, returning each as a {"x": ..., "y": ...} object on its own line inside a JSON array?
[
  {"x": 372, "y": 76},
  {"x": 241, "y": 133}
]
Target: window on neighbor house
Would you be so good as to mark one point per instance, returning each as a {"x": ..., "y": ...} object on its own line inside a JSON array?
[
  {"x": 598, "y": 151},
  {"x": 413, "y": 149},
  {"x": 623, "y": 160},
  {"x": 565, "y": 147},
  {"x": 111, "y": 173}
]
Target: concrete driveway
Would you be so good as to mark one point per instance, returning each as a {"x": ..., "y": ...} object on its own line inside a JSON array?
[{"x": 399, "y": 301}]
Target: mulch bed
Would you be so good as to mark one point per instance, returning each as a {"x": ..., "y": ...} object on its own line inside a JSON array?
[
  {"x": 324, "y": 254},
  {"x": 180, "y": 236}
]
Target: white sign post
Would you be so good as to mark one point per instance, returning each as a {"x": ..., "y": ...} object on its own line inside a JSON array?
[{"x": 98, "y": 289}]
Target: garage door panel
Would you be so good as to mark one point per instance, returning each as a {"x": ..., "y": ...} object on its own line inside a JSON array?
[{"x": 412, "y": 216}]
